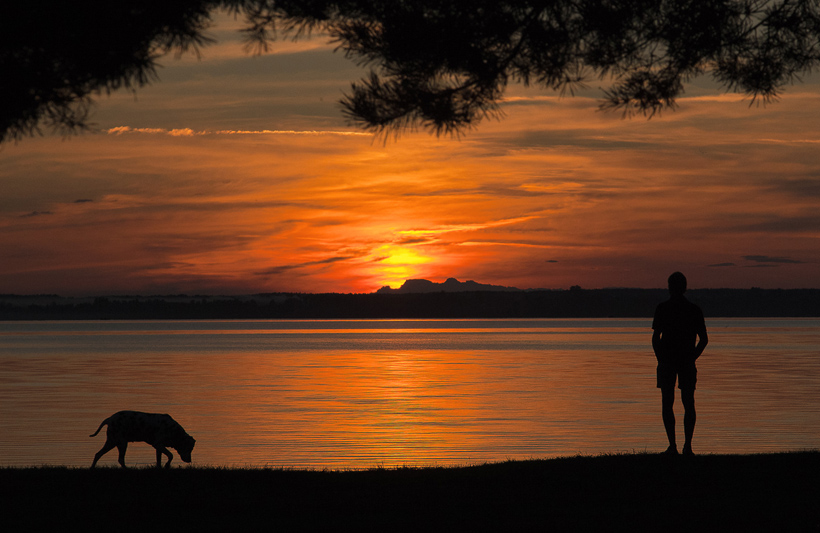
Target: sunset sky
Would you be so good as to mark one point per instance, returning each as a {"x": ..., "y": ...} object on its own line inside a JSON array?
[{"x": 237, "y": 173}]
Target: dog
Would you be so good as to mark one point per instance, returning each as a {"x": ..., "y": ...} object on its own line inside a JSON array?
[{"x": 160, "y": 431}]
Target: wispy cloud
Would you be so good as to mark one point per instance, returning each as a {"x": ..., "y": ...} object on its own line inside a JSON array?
[
  {"x": 188, "y": 132},
  {"x": 512, "y": 243},
  {"x": 771, "y": 259},
  {"x": 790, "y": 141},
  {"x": 281, "y": 269},
  {"x": 438, "y": 230}
]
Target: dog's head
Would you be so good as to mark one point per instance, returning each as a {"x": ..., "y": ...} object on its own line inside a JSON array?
[{"x": 185, "y": 447}]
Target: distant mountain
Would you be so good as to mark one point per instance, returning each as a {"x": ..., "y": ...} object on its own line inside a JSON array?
[{"x": 416, "y": 286}]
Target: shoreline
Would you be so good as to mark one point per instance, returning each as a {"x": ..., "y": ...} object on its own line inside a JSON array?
[{"x": 623, "y": 492}]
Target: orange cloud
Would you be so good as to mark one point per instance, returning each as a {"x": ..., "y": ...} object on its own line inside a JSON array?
[
  {"x": 188, "y": 132},
  {"x": 212, "y": 188}
]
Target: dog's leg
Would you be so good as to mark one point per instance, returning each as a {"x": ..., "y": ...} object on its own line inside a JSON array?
[
  {"x": 107, "y": 447},
  {"x": 163, "y": 450},
  {"x": 122, "y": 447}
]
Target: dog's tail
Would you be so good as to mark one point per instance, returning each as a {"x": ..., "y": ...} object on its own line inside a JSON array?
[{"x": 104, "y": 422}]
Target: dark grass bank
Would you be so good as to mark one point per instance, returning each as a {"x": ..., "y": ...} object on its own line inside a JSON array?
[{"x": 771, "y": 492}]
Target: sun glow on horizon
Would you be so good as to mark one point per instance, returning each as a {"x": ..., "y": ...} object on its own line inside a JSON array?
[{"x": 394, "y": 264}]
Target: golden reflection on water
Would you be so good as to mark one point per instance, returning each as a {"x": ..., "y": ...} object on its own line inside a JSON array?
[
  {"x": 345, "y": 395},
  {"x": 393, "y": 408}
]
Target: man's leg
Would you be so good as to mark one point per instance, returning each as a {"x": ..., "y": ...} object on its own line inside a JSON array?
[
  {"x": 668, "y": 412},
  {"x": 687, "y": 396}
]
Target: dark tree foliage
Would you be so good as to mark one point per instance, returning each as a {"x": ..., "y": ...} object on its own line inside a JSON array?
[
  {"x": 442, "y": 65},
  {"x": 56, "y": 54}
]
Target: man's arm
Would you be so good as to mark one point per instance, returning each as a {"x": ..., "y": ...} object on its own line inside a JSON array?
[
  {"x": 656, "y": 344},
  {"x": 657, "y": 326},
  {"x": 703, "y": 340},
  {"x": 703, "y": 337}
]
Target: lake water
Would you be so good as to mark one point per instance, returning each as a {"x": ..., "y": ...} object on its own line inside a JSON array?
[{"x": 368, "y": 393}]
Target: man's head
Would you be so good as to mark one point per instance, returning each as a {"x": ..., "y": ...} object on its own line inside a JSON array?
[{"x": 677, "y": 284}]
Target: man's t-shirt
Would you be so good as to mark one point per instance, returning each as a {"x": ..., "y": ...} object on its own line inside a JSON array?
[{"x": 679, "y": 322}]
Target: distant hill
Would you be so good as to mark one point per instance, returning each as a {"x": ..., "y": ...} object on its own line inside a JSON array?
[{"x": 421, "y": 286}]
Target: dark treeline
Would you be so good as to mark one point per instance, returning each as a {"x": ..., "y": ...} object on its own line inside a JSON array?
[{"x": 573, "y": 303}]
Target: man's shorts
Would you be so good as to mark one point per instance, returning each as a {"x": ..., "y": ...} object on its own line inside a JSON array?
[{"x": 687, "y": 376}]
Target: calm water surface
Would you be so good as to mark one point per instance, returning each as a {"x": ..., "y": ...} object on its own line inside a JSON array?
[{"x": 361, "y": 394}]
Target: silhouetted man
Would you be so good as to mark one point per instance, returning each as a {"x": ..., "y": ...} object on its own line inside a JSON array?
[{"x": 678, "y": 325}]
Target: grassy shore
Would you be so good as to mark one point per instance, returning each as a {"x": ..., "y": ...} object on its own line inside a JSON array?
[{"x": 632, "y": 492}]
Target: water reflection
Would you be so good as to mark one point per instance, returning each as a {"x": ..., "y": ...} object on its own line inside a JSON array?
[{"x": 357, "y": 394}]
